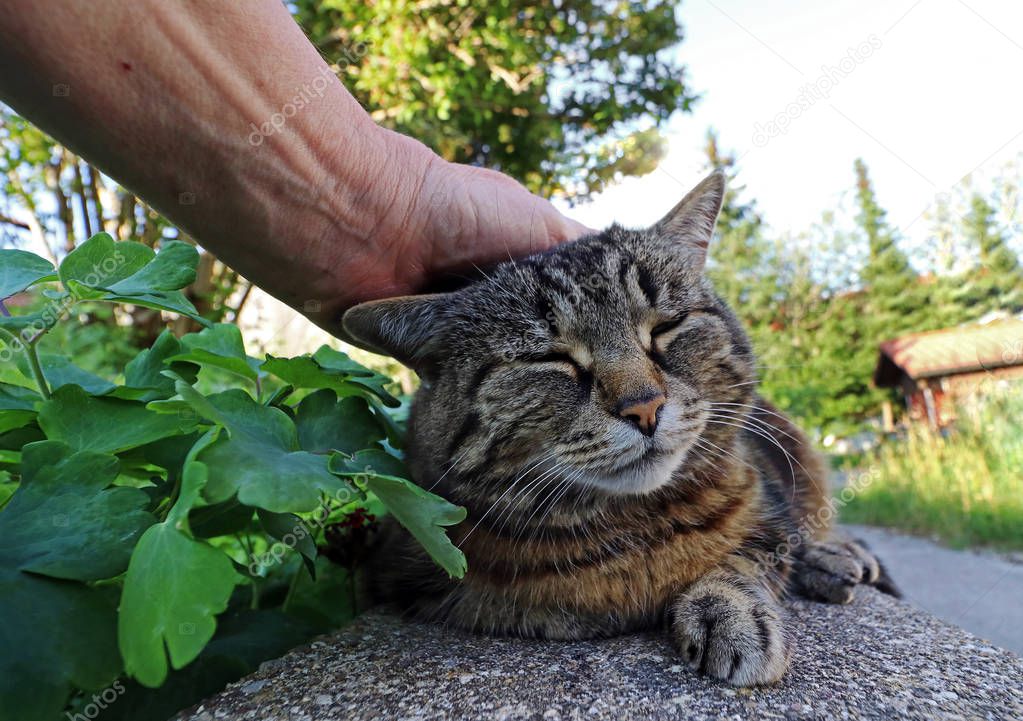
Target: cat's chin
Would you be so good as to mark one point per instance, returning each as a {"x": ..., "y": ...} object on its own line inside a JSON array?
[{"x": 644, "y": 476}]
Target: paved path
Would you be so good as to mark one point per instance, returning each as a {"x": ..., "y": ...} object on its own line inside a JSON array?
[
  {"x": 876, "y": 658},
  {"x": 979, "y": 591}
]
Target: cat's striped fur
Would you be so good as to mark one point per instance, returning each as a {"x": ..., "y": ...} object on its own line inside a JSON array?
[{"x": 595, "y": 410}]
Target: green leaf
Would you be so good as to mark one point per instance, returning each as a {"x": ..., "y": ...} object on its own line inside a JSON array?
[
  {"x": 12, "y": 442},
  {"x": 191, "y": 401},
  {"x": 369, "y": 462},
  {"x": 17, "y": 398},
  {"x": 291, "y": 531},
  {"x": 70, "y": 641},
  {"x": 244, "y": 639},
  {"x": 279, "y": 396},
  {"x": 144, "y": 378},
  {"x": 20, "y": 269},
  {"x": 64, "y": 522},
  {"x": 17, "y": 406},
  {"x": 7, "y": 488},
  {"x": 220, "y": 346},
  {"x": 395, "y": 429},
  {"x": 27, "y": 325},
  {"x": 10, "y": 420},
  {"x": 421, "y": 512},
  {"x": 328, "y": 368},
  {"x": 60, "y": 371},
  {"x": 100, "y": 262},
  {"x": 129, "y": 272},
  {"x": 326, "y": 424},
  {"x": 173, "y": 268},
  {"x": 219, "y": 519},
  {"x": 174, "y": 588},
  {"x": 128, "y": 268},
  {"x": 171, "y": 300},
  {"x": 334, "y": 360},
  {"x": 106, "y": 425},
  {"x": 170, "y": 453},
  {"x": 260, "y": 460}
]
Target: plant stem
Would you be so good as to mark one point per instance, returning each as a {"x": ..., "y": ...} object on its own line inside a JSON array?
[
  {"x": 352, "y": 589},
  {"x": 291, "y": 589},
  {"x": 37, "y": 370},
  {"x": 254, "y": 605}
]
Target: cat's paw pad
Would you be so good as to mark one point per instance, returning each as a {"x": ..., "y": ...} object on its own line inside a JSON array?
[
  {"x": 730, "y": 633},
  {"x": 830, "y": 571}
]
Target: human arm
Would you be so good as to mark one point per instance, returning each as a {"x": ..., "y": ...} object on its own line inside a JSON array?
[{"x": 166, "y": 98}]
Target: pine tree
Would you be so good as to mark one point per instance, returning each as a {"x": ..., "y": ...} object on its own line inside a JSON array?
[
  {"x": 996, "y": 280},
  {"x": 887, "y": 267},
  {"x": 893, "y": 301}
]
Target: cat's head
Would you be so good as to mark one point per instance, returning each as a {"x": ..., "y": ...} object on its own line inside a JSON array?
[{"x": 604, "y": 360}]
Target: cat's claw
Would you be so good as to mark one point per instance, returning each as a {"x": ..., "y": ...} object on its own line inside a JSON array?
[
  {"x": 730, "y": 632},
  {"x": 830, "y": 571}
]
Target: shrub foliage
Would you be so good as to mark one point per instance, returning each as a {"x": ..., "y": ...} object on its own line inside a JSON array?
[{"x": 164, "y": 532}]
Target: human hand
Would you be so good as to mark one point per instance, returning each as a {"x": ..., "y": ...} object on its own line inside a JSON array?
[
  {"x": 478, "y": 217},
  {"x": 445, "y": 219}
]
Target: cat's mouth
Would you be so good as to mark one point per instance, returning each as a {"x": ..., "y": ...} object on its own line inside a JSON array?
[
  {"x": 638, "y": 476},
  {"x": 635, "y": 463}
]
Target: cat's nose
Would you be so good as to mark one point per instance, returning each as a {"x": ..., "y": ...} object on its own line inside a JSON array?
[{"x": 643, "y": 411}]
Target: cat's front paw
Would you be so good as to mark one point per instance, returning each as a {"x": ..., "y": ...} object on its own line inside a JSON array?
[
  {"x": 830, "y": 571},
  {"x": 731, "y": 630}
]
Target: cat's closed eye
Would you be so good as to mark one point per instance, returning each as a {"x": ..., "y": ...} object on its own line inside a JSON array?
[
  {"x": 667, "y": 326},
  {"x": 569, "y": 365},
  {"x": 555, "y": 357},
  {"x": 663, "y": 331}
]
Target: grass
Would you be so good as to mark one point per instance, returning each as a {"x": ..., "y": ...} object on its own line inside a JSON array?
[{"x": 965, "y": 488}]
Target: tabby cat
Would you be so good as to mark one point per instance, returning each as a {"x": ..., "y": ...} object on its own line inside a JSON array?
[{"x": 595, "y": 409}]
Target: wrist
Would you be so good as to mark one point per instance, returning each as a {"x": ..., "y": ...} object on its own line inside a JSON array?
[{"x": 369, "y": 241}]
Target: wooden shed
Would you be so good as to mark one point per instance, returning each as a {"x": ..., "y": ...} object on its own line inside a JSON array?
[{"x": 938, "y": 369}]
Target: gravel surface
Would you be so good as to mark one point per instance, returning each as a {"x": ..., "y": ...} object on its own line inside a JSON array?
[{"x": 877, "y": 658}]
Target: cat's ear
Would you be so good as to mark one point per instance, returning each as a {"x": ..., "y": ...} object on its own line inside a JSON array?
[
  {"x": 690, "y": 224},
  {"x": 402, "y": 327}
]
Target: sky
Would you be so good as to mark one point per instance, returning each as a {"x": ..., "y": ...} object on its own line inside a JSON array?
[{"x": 927, "y": 92}]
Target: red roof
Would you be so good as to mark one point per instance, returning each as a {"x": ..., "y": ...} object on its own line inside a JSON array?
[{"x": 952, "y": 350}]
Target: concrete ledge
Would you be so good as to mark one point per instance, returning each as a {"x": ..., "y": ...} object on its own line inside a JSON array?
[{"x": 877, "y": 658}]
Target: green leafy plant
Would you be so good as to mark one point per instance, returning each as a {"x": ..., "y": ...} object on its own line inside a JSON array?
[{"x": 163, "y": 532}]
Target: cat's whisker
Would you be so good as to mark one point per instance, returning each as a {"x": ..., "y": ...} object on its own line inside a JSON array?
[
  {"x": 763, "y": 434},
  {"x": 752, "y": 427},
  {"x": 569, "y": 483},
  {"x": 523, "y": 495},
  {"x": 767, "y": 431},
  {"x": 552, "y": 502},
  {"x": 491, "y": 279},
  {"x": 554, "y": 483},
  {"x": 526, "y": 492},
  {"x": 451, "y": 467},
  {"x": 745, "y": 383},
  {"x": 728, "y": 453},
  {"x": 508, "y": 490},
  {"x": 748, "y": 416},
  {"x": 788, "y": 457}
]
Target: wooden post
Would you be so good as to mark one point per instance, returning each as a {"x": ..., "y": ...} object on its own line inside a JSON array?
[{"x": 932, "y": 412}]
